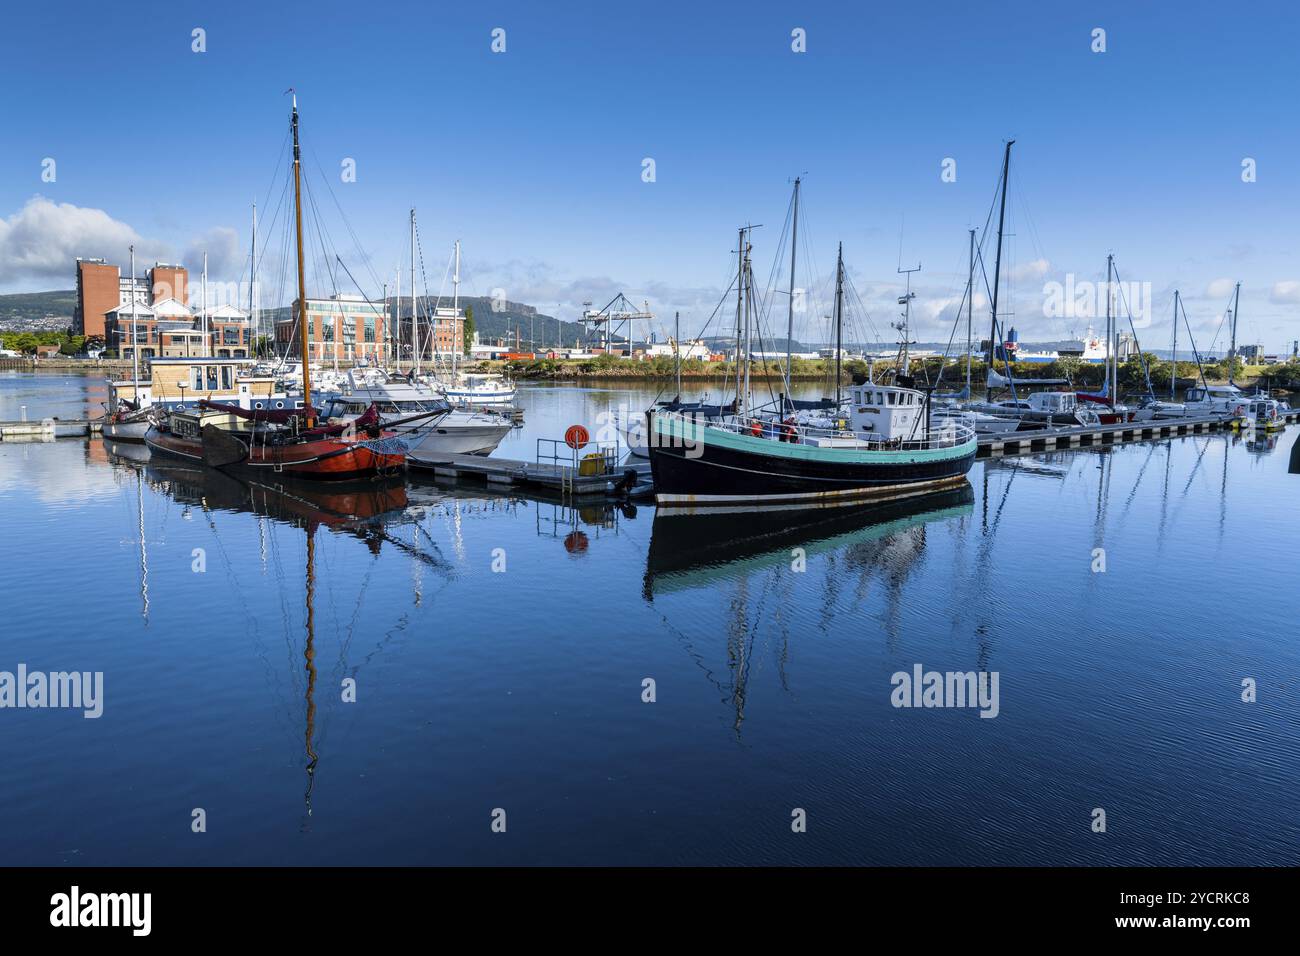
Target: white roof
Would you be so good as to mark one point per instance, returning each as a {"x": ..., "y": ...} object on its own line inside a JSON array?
[
  {"x": 169, "y": 308},
  {"x": 123, "y": 309},
  {"x": 226, "y": 311}
]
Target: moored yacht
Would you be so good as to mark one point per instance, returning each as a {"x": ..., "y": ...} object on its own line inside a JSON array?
[{"x": 443, "y": 429}]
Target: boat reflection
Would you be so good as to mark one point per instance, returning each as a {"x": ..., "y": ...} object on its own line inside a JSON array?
[
  {"x": 364, "y": 509},
  {"x": 339, "y": 506},
  {"x": 749, "y": 550},
  {"x": 695, "y": 549}
]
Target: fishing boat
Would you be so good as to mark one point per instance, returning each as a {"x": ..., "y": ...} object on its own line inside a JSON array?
[
  {"x": 287, "y": 441},
  {"x": 887, "y": 447}
]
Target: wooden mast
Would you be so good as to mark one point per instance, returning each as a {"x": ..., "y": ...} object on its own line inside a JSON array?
[{"x": 302, "y": 279}]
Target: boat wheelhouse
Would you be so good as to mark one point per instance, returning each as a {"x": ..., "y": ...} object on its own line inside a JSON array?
[{"x": 177, "y": 384}]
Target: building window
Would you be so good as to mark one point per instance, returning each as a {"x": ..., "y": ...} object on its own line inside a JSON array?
[{"x": 370, "y": 330}]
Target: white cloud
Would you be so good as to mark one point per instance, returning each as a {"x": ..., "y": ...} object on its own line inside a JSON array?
[
  {"x": 225, "y": 258},
  {"x": 1031, "y": 270},
  {"x": 42, "y": 240},
  {"x": 1219, "y": 288},
  {"x": 1286, "y": 292}
]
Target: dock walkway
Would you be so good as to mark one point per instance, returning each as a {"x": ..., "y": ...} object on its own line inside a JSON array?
[
  {"x": 1053, "y": 439},
  {"x": 508, "y": 471}
]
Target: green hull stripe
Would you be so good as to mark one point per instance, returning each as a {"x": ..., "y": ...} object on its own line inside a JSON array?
[{"x": 683, "y": 431}]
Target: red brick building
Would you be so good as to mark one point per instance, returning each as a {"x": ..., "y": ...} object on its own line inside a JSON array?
[
  {"x": 101, "y": 289},
  {"x": 341, "y": 327}
]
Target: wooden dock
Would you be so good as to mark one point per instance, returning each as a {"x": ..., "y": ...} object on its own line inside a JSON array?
[
  {"x": 1056, "y": 439},
  {"x": 48, "y": 429},
  {"x": 560, "y": 478}
]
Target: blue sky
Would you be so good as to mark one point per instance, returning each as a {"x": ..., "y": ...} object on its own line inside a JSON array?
[{"x": 533, "y": 157}]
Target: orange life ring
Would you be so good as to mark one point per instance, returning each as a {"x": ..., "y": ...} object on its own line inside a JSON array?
[{"x": 576, "y": 437}]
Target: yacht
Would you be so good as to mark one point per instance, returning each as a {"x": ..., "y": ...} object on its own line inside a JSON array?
[
  {"x": 441, "y": 428},
  {"x": 478, "y": 389}
]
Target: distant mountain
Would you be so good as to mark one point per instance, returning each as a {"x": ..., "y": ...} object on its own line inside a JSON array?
[{"x": 29, "y": 311}]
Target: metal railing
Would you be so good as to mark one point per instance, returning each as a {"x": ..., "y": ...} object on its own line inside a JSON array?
[
  {"x": 568, "y": 459},
  {"x": 950, "y": 434}
]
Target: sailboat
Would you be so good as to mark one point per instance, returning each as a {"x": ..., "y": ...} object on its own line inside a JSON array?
[
  {"x": 282, "y": 441},
  {"x": 886, "y": 447}
]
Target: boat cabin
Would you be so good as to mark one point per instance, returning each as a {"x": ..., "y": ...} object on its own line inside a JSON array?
[
  {"x": 1053, "y": 402},
  {"x": 177, "y": 384},
  {"x": 1215, "y": 398},
  {"x": 887, "y": 412}
]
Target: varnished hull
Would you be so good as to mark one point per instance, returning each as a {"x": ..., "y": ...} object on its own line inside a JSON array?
[{"x": 330, "y": 459}]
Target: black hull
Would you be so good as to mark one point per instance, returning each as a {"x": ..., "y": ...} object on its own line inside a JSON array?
[
  {"x": 726, "y": 475},
  {"x": 690, "y": 545}
]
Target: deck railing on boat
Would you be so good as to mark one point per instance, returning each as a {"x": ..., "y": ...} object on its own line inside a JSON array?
[{"x": 947, "y": 435}]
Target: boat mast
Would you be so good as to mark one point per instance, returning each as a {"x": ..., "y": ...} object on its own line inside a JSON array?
[
  {"x": 997, "y": 272},
  {"x": 252, "y": 281},
  {"x": 749, "y": 305},
  {"x": 455, "y": 313},
  {"x": 839, "y": 318},
  {"x": 397, "y": 317},
  {"x": 135, "y": 340},
  {"x": 1173, "y": 359},
  {"x": 207, "y": 336},
  {"x": 415, "y": 310},
  {"x": 677, "y": 349},
  {"x": 302, "y": 278},
  {"x": 1112, "y": 338},
  {"x": 789, "y": 325},
  {"x": 740, "y": 293},
  {"x": 970, "y": 309},
  {"x": 1232, "y": 347}
]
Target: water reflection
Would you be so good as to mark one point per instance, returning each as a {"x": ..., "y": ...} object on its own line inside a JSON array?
[
  {"x": 749, "y": 552},
  {"x": 697, "y": 549},
  {"x": 367, "y": 510}
]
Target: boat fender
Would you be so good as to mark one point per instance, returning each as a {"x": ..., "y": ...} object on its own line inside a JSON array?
[{"x": 627, "y": 482}]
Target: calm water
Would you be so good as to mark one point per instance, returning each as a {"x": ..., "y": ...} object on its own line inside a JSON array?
[{"x": 521, "y": 689}]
